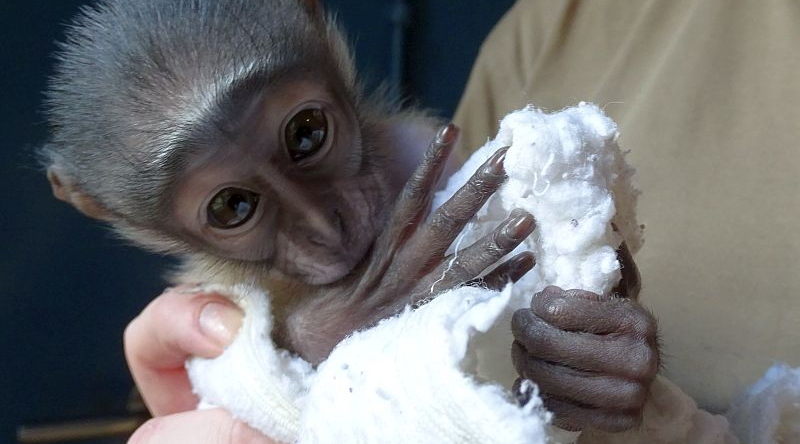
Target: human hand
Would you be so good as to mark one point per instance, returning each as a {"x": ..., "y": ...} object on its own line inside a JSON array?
[
  {"x": 178, "y": 324},
  {"x": 407, "y": 265},
  {"x": 593, "y": 357}
]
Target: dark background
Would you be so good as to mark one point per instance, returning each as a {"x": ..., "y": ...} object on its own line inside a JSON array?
[{"x": 68, "y": 287}]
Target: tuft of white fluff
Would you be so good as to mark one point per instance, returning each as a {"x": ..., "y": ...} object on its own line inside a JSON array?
[
  {"x": 441, "y": 373},
  {"x": 567, "y": 170},
  {"x": 769, "y": 411}
]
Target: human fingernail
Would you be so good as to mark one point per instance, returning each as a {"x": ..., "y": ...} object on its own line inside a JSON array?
[{"x": 220, "y": 322}]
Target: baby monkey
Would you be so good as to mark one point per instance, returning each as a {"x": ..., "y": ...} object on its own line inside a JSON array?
[{"x": 235, "y": 135}]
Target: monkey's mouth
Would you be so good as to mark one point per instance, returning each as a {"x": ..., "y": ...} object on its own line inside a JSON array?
[
  {"x": 323, "y": 266},
  {"x": 319, "y": 259}
]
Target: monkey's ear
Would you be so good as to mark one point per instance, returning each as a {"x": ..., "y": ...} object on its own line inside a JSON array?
[{"x": 64, "y": 190}]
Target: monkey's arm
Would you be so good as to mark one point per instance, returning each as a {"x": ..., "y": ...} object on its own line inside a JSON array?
[{"x": 407, "y": 264}]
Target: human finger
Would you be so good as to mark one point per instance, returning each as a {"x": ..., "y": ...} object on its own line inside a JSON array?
[
  {"x": 212, "y": 426},
  {"x": 173, "y": 327}
]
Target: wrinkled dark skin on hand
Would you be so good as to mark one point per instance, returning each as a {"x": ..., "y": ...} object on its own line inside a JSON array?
[{"x": 593, "y": 357}]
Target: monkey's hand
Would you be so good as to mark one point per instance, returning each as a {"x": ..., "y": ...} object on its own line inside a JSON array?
[
  {"x": 408, "y": 264},
  {"x": 593, "y": 357}
]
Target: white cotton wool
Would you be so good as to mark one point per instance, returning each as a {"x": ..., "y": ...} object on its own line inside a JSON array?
[
  {"x": 566, "y": 170},
  {"x": 769, "y": 411},
  {"x": 441, "y": 373}
]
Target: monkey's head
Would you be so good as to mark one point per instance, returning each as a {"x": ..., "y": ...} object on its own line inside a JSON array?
[{"x": 229, "y": 129}]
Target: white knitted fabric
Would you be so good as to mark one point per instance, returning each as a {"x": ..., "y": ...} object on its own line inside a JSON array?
[
  {"x": 257, "y": 382},
  {"x": 420, "y": 377}
]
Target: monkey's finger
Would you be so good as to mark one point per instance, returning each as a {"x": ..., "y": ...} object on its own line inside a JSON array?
[
  {"x": 173, "y": 327},
  {"x": 511, "y": 270},
  {"x": 462, "y": 266},
  {"x": 414, "y": 201},
  {"x": 570, "y": 416},
  {"x": 617, "y": 355},
  {"x": 578, "y": 310},
  {"x": 631, "y": 282},
  {"x": 441, "y": 229},
  {"x": 208, "y": 426},
  {"x": 587, "y": 389}
]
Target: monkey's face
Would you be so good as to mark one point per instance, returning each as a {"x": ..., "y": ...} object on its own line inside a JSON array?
[
  {"x": 226, "y": 127},
  {"x": 290, "y": 186}
]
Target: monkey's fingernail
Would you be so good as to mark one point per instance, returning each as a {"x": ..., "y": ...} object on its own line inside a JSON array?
[
  {"x": 520, "y": 225},
  {"x": 495, "y": 165},
  {"x": 220, "y": 322},
  {"x": 447, "y": 134},
  {"x": 523, "y": 261}
]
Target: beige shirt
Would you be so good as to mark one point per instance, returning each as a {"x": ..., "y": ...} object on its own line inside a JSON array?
[{"x": 707, "y": 97}]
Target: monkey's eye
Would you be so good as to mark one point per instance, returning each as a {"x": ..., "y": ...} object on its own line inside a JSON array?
[
  {"x": 305, "y": 133},
  {"x": 232, "y": 207}
]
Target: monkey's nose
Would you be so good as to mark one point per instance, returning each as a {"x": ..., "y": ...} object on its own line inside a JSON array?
[{"x": 328, "y": 232}]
